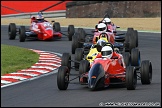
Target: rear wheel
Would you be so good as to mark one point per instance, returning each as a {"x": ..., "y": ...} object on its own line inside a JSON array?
[
  {"x": 84, "y": 66},
  {"x": 82, "y": 34},
  {"x": 22, "y": 35},
  {"x": 146, "y": 72},
  {"x": 63, "y": 78},
  {"x": 66, "y": 60},
  {"x": 79, "y": 55},
  {"x": 126, "y": 56},
  {"x": 75, "y": 43},
  {"x": 12, "y": 31},
  {"x": 71, "y": 31},
  {"x": 56, "y": 27},
  {"x": 132, "y": 42},
  {"x": 135, "y": 57},
  {"x": 136, "y": 37},
  {"x": 131, "y": 78}
]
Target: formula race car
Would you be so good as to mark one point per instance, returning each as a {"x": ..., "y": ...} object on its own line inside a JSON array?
[
  {"x": 104, "y": 72},
  {"x": 40, "y": 29},
  {"x": 124, "y": 42}
]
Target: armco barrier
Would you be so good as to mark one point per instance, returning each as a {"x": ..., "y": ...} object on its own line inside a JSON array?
[{"x": 49, "y": 14}]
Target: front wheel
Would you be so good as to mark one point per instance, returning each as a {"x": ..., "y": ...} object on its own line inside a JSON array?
[
  {"x": 146, "y": 72},
  {"x": 82, "y": 34},
  {"x": 22, "y": 35},
  {"x": 63, "y": 78},
  {"x": 12, "y": 31},
  {"x": 135, "y": 57},
  {"x": 66, "y": 60},
  {"x": 75, "y": 43},
  {"x": 56, "y": 27},
  {"x": 126, "y": 57},
  {"x": 71, "y": 32},
  {"x": 131, "y": 78},
  {"x": 84, "y": 66},
  {"x": 79, "y": 55}
]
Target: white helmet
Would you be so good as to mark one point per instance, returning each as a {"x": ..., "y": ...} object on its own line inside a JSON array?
[
  {"x": 107, "y": 52},
  {"x": 101, "y": 27},
  {"x": 106, "y": 20}
]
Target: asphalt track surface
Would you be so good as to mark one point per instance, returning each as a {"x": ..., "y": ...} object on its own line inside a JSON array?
[{"x": 43, "y": 92}]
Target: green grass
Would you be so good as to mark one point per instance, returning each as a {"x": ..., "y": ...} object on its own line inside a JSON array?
[{"x": 16, "y": 58}]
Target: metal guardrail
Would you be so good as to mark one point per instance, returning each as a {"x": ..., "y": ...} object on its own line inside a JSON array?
[{"x": 49, "y": 14}]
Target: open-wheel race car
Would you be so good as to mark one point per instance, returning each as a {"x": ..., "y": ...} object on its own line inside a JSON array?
[
  {"x": 124, "y": 41},
  {"x": 105, "y": 71},
  {"x": 40, "y": 29}
]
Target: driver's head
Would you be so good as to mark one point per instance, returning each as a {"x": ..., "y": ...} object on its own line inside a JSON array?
[
  {"x": 106, "y": 21},
  {"x": 100, "y": 44},
  {"x": 40, "y": 17},
  {"x": 107, "y": 52},
  {"x": 101, "y": 27}
]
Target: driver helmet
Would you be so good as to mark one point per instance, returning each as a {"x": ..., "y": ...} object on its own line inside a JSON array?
[
  {"x": 107, "y": 52},
  {"x": 40, "y": 17},
  {"x": 106, "y": 21},
  {"x": 101, "y": 27},
  {"x": 100, "y": 44}
]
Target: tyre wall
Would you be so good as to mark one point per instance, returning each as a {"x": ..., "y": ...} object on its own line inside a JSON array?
[{"x": 116, "y": 9}]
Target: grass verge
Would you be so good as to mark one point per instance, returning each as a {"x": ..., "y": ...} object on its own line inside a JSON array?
[{"x": 16, "y": 58}]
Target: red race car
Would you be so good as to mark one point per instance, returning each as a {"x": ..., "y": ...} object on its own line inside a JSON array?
[
  {"x": 40, "y": 29},
  {"x": 107, "y": 69}
]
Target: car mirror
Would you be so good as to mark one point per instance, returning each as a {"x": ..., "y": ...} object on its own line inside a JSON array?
[
  {"x": 117, "y": 26},
  {"x": 52, "y": 21}
]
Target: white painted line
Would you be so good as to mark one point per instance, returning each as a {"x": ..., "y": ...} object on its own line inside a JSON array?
[
  {"x": 48, "y": 64},
  {"x": 24, "y": 73},
  {"x": 47, "y": 67},
  {"x": 49, "y": 60},
  {"x": 5, "y": 82},
  {"x": 48, "y": 55},
  {"x": 36, "y": 70},
  {"x": 14, "y": 77}
]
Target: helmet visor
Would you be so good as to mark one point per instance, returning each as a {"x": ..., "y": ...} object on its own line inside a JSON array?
[
  {"x": 101, "y": 29},
  {"x": 106, "y": 53}
]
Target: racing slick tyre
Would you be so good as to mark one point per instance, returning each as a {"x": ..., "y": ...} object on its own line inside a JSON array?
[
  {"x": 146, "y": 72},
  {"x": 79, "y": 55},
  {"x": 66, "y": 60},
  {"x": 84, "y": 66},
  {"x": 75, "y": 43},
  {"x": 131, "y": 78},
  {"x": 82, "y": 34},
  {"x": 136, "y": 37},
  {"x": 71, "y": 32},
  {"x": 22, "y": 35},
  {"x": 56, "y": 27},
  {"x": 126, "y": 42},
  {"x": 12, "y": 31},
  {"x": 135, "y": 57},
  {"x": 132, "y": 42},
  {"x": 126, "y": 56},
  {"x": 63, "y": 78},
  {"x": 129, "y": 30}
]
